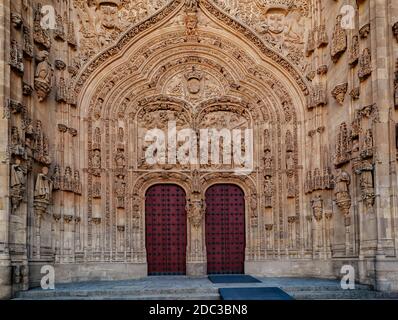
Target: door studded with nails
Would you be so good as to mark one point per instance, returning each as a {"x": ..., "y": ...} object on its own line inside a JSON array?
[
  {"x": 225, "y": 229},
  {"x": 166, "y": 230}
]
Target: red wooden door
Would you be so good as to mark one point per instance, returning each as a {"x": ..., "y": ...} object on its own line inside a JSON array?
[
  {"x": 225, "y": 229},
  {"x": 166, "y": 230}
]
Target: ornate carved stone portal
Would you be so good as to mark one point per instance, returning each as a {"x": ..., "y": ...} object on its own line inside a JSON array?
[{"x": 125, "y": 97}]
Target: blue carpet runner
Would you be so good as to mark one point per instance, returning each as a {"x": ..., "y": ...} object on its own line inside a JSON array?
[
  {"x": 233, "y": 278},
  {"x": 253, "y": 294}
]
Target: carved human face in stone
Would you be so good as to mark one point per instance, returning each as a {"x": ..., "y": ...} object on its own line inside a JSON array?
[
  {"x": 44, "y": 170},
  {"x": 276, "y": 21},
  {"x": 191, "y": 22},
  {"x": 109, "y": 15}
]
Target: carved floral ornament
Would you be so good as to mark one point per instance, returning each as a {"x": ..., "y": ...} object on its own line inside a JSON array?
[{"x": 169, "y": 10}]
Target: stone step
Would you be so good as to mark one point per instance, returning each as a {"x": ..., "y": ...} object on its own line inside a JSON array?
[
  {"x": 336, "y": 287},
  {"x": 81, "y": 294},
  {"x": 209, "y": 296},
  {"x": 342, "y": 295}
]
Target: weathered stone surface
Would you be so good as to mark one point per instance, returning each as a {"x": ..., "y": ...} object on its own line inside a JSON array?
[{"x": 80, "y": 99}]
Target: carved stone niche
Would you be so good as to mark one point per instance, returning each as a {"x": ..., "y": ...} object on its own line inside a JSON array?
[
  {"x": 339, "y": 92},
  {"x": 395, "y": 30}
]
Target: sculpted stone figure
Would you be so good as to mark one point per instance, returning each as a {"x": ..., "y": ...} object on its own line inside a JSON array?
[
  {"x": 16, "y": 144},
  {"x": 43, "y": 76},
  {"x": 342, "y": 192},
  {"x": 267, "y": 160},
  {"x": 253, "y": 205},
  {"x": 289, "y": 161},
  {"x": 120, "y": 191},
  {"x": 68, "y": 180},
  {"x": 43, "y": 187},
  {"x": 97, "y": 159},
  {"x": 42, "y": 192},
  {"x": 195, "y": 211},
  {"x": 120, "y": 159},
  {"x": 317, "y": 208},
  {"x": 77, "y": 185},
  {"x": 17, "y": 183},
  {"x": 268, "y": 191},
  {"x": 56, "y": 178}
]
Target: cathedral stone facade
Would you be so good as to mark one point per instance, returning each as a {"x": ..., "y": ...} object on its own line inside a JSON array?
[{"x": 81, "y": 80}]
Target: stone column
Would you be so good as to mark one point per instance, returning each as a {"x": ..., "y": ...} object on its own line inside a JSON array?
[
  {"x": 5, "y": 264},
  {"x": 381, "y": 40},
  {"x": 196, "y": 246}
]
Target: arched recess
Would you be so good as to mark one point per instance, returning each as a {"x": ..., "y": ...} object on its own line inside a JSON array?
[{"x": 225, "y": 69}]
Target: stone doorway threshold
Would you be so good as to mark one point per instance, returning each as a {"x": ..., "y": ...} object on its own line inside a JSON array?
[{"x": 197, "y": 288}]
